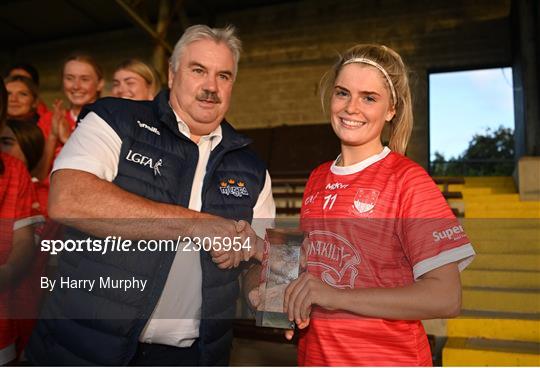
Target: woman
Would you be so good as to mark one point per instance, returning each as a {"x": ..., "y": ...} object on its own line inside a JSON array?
[
  {"x": 135, "y": 80},
  {"x": 82, "y": 80},
  {"x": 23, "y": 99},
  {"x": 24, "y": 141},
  {"x": 16, "y": 237},
  {"x": 378, "y": 260},
  {"x": 29, "y": 71}
]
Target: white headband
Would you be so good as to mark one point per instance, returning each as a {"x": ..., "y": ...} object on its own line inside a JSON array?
[{"x": 378, "y": 66}]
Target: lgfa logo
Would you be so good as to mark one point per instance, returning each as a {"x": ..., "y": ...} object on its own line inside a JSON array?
[
  {"x": 233, "y": 187},
  {"x": 145, "y": 161}
]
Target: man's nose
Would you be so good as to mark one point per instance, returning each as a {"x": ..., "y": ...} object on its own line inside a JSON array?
[{"x": 210, "y": 84}]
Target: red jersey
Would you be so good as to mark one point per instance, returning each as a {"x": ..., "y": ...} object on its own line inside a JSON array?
[
  {"x": 45, "y": 123},
  {"x": 380, "y": 223},
  {"x": 15, "y": 212}
]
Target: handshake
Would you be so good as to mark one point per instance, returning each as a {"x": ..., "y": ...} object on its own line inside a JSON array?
[{"x": 247, "y": 244}]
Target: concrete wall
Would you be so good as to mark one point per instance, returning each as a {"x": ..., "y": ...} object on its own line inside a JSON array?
[{"x": 289, "y": 46}]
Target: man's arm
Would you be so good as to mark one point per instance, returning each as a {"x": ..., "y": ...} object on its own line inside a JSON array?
[{"x": 98, "y": 207}]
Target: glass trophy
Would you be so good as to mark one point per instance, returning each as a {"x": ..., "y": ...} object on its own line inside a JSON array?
[{"x": 281, "y": 265}]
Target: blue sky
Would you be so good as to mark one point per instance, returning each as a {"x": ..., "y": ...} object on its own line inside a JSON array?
[{"x": 467, "y": 102}]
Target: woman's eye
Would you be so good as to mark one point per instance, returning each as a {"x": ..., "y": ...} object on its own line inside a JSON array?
[
  {"x": 7, "y": 142},
  {"x": 341, "y": 93},
  {"x": 370, "y": 98}
]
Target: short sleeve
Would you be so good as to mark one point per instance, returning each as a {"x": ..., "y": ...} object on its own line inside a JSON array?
[
  {"x": 430, "y": 234},
  {"x": 24, "y": 213},
  {"x": 264, "y": 211},
  {"x": 93, "y": 147}
]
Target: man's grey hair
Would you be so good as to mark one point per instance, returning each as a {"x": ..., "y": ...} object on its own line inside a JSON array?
[{"x": 202, "y": 32}]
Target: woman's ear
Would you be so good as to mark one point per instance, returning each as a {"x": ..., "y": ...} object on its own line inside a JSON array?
[
  {"x": 101, "y": 85},
  {"x": 390, "y": 114}
]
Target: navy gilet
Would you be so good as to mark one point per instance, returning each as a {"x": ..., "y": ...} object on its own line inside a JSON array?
[{"x": 102, "y": 327}]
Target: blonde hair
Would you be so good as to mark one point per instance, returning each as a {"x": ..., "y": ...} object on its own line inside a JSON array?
[
  {"x": 87, "y": 59},
  {"x": 402, "y": 123},
  {"x": 147, "y": 72}
]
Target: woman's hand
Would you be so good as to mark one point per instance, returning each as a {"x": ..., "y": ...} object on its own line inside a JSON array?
[
  {"x": 304, "y": 292},
  {"x": 60, "y": 128}
]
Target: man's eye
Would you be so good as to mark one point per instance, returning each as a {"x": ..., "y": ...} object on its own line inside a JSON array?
[
  {"x": 225, "y": 77},
  {"x": 198, "y": 70}
]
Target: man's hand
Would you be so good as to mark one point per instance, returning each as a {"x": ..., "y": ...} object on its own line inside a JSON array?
[{"x": 231, "y": 258}]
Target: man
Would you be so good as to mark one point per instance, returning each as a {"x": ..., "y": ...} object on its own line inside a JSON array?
[{"x": 176, "y": 168}]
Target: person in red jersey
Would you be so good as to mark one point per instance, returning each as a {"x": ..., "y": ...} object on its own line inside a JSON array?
[
  {"x": 29, "y": 71},
  {"x": 82, "y": 82},
  {"x": 23, "y": 100},
  {"x": 383, "y": 248},
  {"x": 24, "y": 141},
  {"x": 16, "y": 237}
]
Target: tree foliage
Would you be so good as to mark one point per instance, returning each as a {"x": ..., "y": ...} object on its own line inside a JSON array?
[{"x": 488, "y": 154}]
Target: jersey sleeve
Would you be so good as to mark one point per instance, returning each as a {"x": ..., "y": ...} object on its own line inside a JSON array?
[
  {"x": 430, "y": 234},
  {"x": 24, "y": 214},
  {"x": 93, "y": 147}
]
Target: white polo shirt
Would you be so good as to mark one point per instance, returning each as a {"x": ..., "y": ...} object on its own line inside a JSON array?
[{"x": 176, "y": 317}]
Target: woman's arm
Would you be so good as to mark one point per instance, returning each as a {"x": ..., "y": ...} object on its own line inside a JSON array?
[
  {"x": 19, "y": 258},
  {"x": 437, "y": 294}
]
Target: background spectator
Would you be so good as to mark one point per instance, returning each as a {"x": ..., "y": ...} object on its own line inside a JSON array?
[
  {"x": 135, "y": 80},
  {"x": 16, "y": 237},
  {"x": 29, "y": 71},
  {"x": 23, "y": 99}
]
